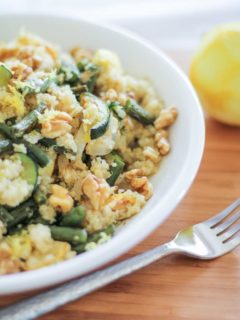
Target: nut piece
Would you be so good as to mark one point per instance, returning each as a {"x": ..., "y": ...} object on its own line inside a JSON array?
[
  {"x": 139, "y": 182},
  {"x": 97, "y": 190},
  {"x": 166, "y": 118},
  {"x": 162, "y": 144},
  {"x": 60, "y": 199},
  {"x": 57, "y": 126},
  {"x": 151, "y": 154}
]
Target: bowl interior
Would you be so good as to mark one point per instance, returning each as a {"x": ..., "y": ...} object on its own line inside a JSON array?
[{"x": 177, "y": 170}]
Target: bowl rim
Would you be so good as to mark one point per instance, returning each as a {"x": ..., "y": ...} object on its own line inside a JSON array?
[{"x": 47, "y": 276}]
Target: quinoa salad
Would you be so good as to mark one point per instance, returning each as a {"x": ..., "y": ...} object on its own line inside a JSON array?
[{"x": 79, "y": 139}]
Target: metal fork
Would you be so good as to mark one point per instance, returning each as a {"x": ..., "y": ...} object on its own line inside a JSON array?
[{"x": 207, "y": 240}]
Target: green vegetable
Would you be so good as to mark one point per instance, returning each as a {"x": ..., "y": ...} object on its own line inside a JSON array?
[
  {"x": 39, "y": 197},
  {"x": 80, "y": 248},
  {"x": 95, "y": 237},
  {"x": 89, "y": 73},
  {"x": 35, "y": 86},
  {"x": 5, "y": 75},
  {"x": 28, "y": 122},
  {"x": 7, "y": 131},
  {"x": 38, "y": 219},
  {"x": 68, "y": 73},
  {"x": 74, "y": 218},
  {"x": 5, "y": 216},
  {"x": 100, "y": 128},
  {"x": 36, "y": 153},
  {"x": 30, "y": 170},
  {"x": 22, "y": 213},
  {"x": 78, "y": 89},
  {"x": 51, "y": 143},
  {"x": 137, "y": 112},
  {"x": 116, "y": 167},
  {"x": 117, "y": 109},
  {"x": 5, "y": 146},
  {"x": 74, "y": 236}
]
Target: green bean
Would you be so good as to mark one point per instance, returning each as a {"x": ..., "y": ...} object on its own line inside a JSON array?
[
  {"x": 19, "y": 227},
  {"x": 51, "y": 143},
  {"x": 28, "y": 122},
  {"x": 95, "y": 237},
  {"x": 74, "y": 236},
  {"x": 39, "y": 197},
  {"x": 39, "y": 220},
  {"x": 21, "y": 213},
  {"x": 80, "y": 248},
  {"x": 5, "y": 146},
  {"x": 5, "y": 216},
  {"x": 138, "y": 113},
  {"x": 37, "y": 154},
  {"x": 117, "y": 167},
  {"x": 74, "y": 218},
  {"x": 7, "y": 131}
]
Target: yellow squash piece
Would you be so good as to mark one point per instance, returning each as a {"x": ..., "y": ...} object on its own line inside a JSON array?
[{"x": 215, "y": 73}]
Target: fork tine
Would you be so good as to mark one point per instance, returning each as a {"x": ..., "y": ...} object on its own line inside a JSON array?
[
  {"x": 233, "y": 243},
  {"x": 222, "y": 227},
  {"x": 219, "y": 217},
  {"x": 230, "y": 233}
]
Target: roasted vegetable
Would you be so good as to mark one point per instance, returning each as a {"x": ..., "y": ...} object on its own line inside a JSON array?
[
  {"x": 103, "y": 112},
  {"x": 68, "y": 73},
  {"x": 51, "y": 143},
  {"x": 137, "y": 112},
  {"x": 74, "y": 218},
  {"x": 22, "y": 213},
  {"x": 28, "y": 122},
  {"x": 39, "y": 197},
  {"x": 36, "y": 153},
  {"x": 5, "y": 216},
  {"x": 117, "y": 166},
  {"x": 7, "y": 131},
  {"x": 30, "y": 170},
  {"x": 95, "y": 237},
  {"x": 5, "y": 146},
  {"x": 72, "y": 235}
]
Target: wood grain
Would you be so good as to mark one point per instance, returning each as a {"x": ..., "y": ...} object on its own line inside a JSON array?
[{"x": 178, "y": 287}]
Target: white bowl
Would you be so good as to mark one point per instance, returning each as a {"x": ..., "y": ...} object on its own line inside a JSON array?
[{"x": 177, "y": 170}]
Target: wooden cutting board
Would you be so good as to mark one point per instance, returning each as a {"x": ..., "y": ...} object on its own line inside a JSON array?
[{"x": 178, "y": 287}]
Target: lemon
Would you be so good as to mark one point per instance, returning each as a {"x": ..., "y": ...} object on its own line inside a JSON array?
[{"x": 215, "y": 73}]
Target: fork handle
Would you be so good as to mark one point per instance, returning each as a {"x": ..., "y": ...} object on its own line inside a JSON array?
[{"x": 50, "y": 300}]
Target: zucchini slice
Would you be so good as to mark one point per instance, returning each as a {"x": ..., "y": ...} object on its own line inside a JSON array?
[
  {"x": 5, "y": 74},
  {"x": 86, "y": 99},
  {"x": 30, "y": 171},
  {"x": 137, "y": 112},
  {"x": 116, "y": 168}
]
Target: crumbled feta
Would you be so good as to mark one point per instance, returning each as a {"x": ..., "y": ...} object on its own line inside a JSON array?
[
  {"x": 13, "y": 189},
  {"x": 40, "y": 236}
]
